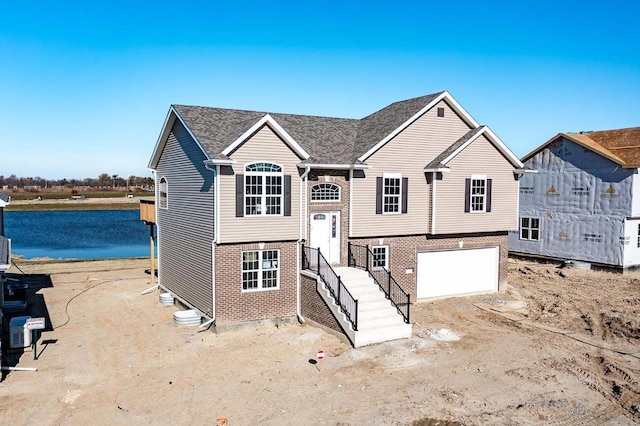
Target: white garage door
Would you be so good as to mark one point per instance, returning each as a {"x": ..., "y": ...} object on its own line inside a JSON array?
[{"x": 454, "y": 272}]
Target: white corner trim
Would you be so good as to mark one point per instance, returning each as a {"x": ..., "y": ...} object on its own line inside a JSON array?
[
  {"x": 444, "y": 95},
  {"x": 267, "y": 119}
]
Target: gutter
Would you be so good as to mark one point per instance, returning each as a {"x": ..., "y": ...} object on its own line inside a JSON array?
[{"x": 335, "y": 166}]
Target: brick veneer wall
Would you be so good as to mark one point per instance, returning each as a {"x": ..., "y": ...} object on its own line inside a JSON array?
[
  {"x": 403, "y": 253},
  {"x": 341, "y": 178},
  {"x": 313, "y": 307},
  {"x": 235, "y": 306}
]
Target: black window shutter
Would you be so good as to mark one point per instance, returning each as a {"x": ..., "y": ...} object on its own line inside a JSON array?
[
  {"x": 378, "y": 195},
  {"x": 488, "y": 209},
  {"x": 405, "y": 194},
  {"x": 287, "y": 195},
  {"x": 467, "y": 195},
  {"x": 239, "y": 195}
]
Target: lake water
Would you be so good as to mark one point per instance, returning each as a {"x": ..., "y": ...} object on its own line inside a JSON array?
[{"x": 79, "y": 234}]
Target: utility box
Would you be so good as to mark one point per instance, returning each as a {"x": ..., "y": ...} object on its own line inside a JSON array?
[{"x": 19, "y": 335}]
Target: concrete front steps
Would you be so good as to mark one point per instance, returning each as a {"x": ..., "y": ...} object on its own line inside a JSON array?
[{"x": 378, "y": 320}]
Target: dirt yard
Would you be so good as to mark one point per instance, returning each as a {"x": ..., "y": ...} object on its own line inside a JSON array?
[{"x": 560, "y": 346}]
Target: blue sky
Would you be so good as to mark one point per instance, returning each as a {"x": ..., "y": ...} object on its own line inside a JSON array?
[{"x": 85, "y": 87}]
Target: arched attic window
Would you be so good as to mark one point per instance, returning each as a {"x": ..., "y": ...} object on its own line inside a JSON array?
[
  {"x": 325, "y": 192},
  {"x": 163, "y": 191}
]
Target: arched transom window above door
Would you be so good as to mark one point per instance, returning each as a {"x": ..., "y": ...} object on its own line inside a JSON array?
[{"x": 325, "y": 192}]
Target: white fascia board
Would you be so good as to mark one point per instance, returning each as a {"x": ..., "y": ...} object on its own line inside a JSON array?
[
  {"x": 494, "y": 140},
  {"x": 335, "y": 166},
  {"x": 521, "y": 171},
  {"x": 436, "y": 170},
  {"x": 219, "y": 162},
  {"x": 162, "y": 139},
  {"x": 267, "y": 119},
  {"x": 464, "y": 145},
  {"x": 172, "y": 115},
  {"x": 3, "y": 203},
  {"x": 503, "y": 148},
  {"x": 444, "y": 95}
]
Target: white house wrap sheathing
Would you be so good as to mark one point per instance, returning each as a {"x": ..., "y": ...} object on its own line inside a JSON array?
[{"x": 584, "y": 204}]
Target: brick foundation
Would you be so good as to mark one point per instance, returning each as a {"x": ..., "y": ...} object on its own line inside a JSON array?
[
  {"x": 313, "y": 307},
  {"x": 235, "y": 306}
]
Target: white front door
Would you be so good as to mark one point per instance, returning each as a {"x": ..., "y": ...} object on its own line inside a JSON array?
[{"x": 325, "y": 235}]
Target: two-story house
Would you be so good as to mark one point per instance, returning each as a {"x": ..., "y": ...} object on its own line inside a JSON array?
[
  {"x": 584, "y": 201},
  {"x": 345, "y": 222}
]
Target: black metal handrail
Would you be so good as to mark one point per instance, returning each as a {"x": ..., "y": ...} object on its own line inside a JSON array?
[
  {"x": 313, "y": 260},
  {"x": 361, "y": 257}
]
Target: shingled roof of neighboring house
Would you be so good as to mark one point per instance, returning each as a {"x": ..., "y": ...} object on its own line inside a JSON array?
[
  {"x": 622, "y": 146},
  {"x": 623, "y": 143},
  {"x": 4, "y": 197}
]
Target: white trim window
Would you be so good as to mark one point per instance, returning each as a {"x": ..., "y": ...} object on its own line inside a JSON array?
[
  {"x": 260, "y": 270},
  {"x": 392, "y": 194},
  {"x": 478, "y": 193},
  {"x": 163, "y": 193},
  {"x": 263, "y": 189},
  {"x": 380, "y": 258},
  {"x": 530, "y": 228},
  {"x": 322, "y": 192}
]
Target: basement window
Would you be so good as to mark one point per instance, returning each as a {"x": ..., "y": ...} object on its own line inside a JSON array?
[
  {"x": 260, "y": 270},
  {"x": 380, "y": 258},
  {"x": 530, "y": 228}
]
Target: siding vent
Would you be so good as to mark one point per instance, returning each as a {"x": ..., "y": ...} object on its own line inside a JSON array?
[{"x": 440, "y": 112}]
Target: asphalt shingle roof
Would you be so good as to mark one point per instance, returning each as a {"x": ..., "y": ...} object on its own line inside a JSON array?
[
  {"x": 620, "y": 145},
  {"x": 4, "y": 197},
  {"x": 436, "y": 163},
  {"x": 327, "y": 140}
]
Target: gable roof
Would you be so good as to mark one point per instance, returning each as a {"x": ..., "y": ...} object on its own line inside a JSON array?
[
  {"x": 316, "y": 140},
  {"x": 439, "y": 163},
  {"x": 622, "y": 146}
]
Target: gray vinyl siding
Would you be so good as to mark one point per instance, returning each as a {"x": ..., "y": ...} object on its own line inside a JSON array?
[
  {"x": 479, "y": 158},
  {"x": 186, "y": 227},
  {"x": 265, "y": 146},
  {"x": 408, "y": 153}
]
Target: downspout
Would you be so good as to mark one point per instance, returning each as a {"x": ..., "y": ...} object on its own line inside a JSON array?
[
  {"x": 302, "y": 199},
  {"x": 433, "y": 202},
  {"x": 216, "y": 173}
]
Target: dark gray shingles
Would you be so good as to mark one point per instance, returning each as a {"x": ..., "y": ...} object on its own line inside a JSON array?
[
  {"x": 4, "y": 197},
  {"x": 327, "y": 140},
  {"x": 380, "y": 124},
  {"x": 437, "y": 162}
]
